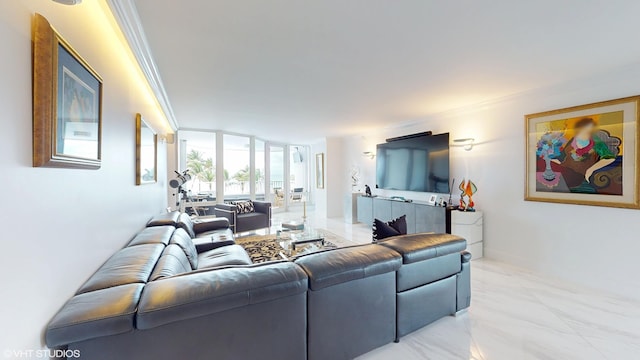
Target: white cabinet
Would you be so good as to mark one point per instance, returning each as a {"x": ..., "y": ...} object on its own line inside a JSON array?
[{"x": 469, "y": 226}]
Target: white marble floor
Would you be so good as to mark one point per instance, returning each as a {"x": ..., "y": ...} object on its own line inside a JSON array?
[{"x": 515, "y": 314}]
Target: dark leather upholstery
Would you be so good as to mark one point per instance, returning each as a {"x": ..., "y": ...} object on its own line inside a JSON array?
[
  {"x": 153, "y": 235},
  {"x": 425, "y": 304},
  {"x": 129, "y": 265},
  {"x": 427, "y": 271},
  {"x": 184, "y": 222},
  {"x": 418, "y": 247},
  {"x": 352, "y": 300},
  {"x": 341, "y": 265},
  {"x": 223, "y": 256},
  {"x": 172, "y": 262},
  {"x": 259, "y": 219},
  {"x": 94, "y": 314},
  {"x": 193, "y": 295},
  {"x": 170, "y": 218},
  {"x": 463, "y": 281},
  {"x": 182, "y": 239},
  {"x": 203, "y": 227}
]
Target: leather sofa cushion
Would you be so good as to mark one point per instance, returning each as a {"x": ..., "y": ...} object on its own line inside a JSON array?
[
  {"x": 334, "y": 267},
  {"x": 419, "y": 247},
  {"x": 94, "y": 314},
  {"x": 164, "y": 219},
  {"x": 207, "y": 292},
  {"x": 129, "y": 265},
  {"x": 153, "y": 235},
  {"x": 251, "y": 221},
  {"x": 184, "y": 222},
  {"x": 181, "y": 238},
  {"x": 222, "y": 256},
  {"x": 427, "y": 271},
  {"x": 172, "y": 262}
]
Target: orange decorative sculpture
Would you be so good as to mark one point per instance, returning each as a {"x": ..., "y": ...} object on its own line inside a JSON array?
[{"x": 468, "y": 188}]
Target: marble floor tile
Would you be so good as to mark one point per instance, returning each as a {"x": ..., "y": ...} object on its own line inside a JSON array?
[{"x": 515, "y": 314}]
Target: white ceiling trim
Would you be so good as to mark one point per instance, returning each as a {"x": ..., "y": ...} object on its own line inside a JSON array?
[{"x": 126, "y": 14}]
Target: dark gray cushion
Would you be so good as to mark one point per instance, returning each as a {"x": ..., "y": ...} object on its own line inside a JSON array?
[
  {"x": 153, "y": 235},
  {"x": 94, "y": 314},
  {"x": 341, "y": 265},
  {"x": 181, "y": 238},
  {"x": 225, "y": 255},
  {"x": 172, "y": 262},
  {"x": 184, "y": 222},
  {"x": 207, "y": 292},
  {"x": 130, "y": 265},
  {"x": 164, "y": 219},
  {"x": 418, "y": 247}
]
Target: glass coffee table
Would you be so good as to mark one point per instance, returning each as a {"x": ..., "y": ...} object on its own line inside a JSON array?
[{"x": 299, "y": 242}]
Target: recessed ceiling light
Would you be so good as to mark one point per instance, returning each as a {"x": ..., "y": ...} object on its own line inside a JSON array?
[{"x": 68, "y": 2}]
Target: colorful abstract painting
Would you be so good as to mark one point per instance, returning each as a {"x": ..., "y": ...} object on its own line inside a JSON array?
[{"x": 584, "y": 155}]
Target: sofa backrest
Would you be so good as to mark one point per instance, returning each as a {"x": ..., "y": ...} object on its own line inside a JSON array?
[
  {"x": 172, "y": 262},
  {"x": 182, "y": 239},
  {"x": 129, "y": 265},
  {"x": 184, "y": 222},
  {"x": 153, "y": 235}
]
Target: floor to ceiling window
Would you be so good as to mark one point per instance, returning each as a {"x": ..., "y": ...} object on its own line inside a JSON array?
[
  {"x": 278, "y": 189},
  {"x": 260, "y": 172},
  {"x": 228, "y": 167},
  {"x": 198, "y": 155},
  {"x": 237, "y": 170}
]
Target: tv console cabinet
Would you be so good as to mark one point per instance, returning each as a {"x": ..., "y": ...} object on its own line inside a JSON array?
[{"x": 423, "y": 217}]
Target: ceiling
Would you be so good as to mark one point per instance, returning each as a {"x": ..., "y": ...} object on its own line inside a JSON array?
[{"x": 296, "y": 71}]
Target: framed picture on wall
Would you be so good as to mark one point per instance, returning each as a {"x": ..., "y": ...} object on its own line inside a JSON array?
[
  {"x": 67, "y": 103},
  {"x": 320, "y": 171},
  {"x": 146, "y": 153},
  {"x": 585, "y": 155}
]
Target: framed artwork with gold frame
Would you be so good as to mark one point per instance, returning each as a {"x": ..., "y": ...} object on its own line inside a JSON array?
[
  {"x": 586, "y": 155},
  {"x": 67, "y": 103},
  {"x": 320, "y": 171},
  {"x": 146, "y": 153}
]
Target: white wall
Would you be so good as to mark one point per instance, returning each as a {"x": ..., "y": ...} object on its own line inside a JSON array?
[
  {"x": 60, "y": 225},
  {"x": 594, "y": 246}
]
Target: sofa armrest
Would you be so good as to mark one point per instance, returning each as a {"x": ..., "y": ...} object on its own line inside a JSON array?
[
  {"x": 203, "y": 293},
  {"x": 229, "y": 212},
  {"x": 423, "y": 246},
  {"x": 211, "y": 225},
  {"x": 466, "y": 256}
]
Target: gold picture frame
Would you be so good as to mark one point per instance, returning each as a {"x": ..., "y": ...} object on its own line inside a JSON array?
[
  {"x": 585, "y": 155},
  {"x": 320, "y": 170},
  {"x": 67, "y": 103},
  {"x": 146, "y": 153}
]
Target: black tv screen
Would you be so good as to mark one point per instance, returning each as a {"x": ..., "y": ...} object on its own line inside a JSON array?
[{"x": 414, "y": 164}]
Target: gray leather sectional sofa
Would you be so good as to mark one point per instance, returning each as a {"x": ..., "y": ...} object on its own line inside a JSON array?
[{"x": 175, "y": 292}]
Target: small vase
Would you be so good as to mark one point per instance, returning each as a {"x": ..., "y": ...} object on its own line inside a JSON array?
[{"x": 548, "y": 173}]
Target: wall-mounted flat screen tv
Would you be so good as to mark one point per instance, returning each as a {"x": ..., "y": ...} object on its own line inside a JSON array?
[{"x": 414, "y": 164}]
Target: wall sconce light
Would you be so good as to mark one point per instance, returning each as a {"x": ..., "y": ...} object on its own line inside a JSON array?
[
  {"x": 68, "y": 2},
  {"x": 466, "y": 143},
  {"x": 369, "y": 154}
]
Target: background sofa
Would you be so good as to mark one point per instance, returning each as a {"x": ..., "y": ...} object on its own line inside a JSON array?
[
  {"x": 260, "y": 218},
  {"x": 161, "y": 298}
]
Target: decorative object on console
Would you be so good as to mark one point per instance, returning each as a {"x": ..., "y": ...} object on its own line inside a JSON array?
[
  {"x": 320, "y": 171},
  {"x": 67, "y": 103},
  {"x": 585, "y": 154},
  {"x": 367, "y": 191},
  {"x": 146, "y": 153},
  {"x": 468, "y": 188},
  {"x": 432, "y": 199},
  {"x": 395, "y": 227}
]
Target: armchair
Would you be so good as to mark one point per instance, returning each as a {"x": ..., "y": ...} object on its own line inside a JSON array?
[{"x": 259, "y": 219}]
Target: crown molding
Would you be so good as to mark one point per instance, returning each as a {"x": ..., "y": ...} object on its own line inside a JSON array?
[{"x": 126, "y": 15}]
